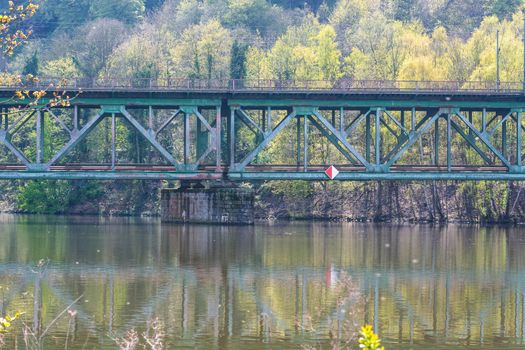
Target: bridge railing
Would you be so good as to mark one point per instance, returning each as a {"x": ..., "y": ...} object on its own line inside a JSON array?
[{"x": 340, "y": 85}]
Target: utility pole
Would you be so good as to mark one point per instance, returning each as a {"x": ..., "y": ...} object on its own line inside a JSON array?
[
  {"x": 524, "y": 51},
  {"x": 497, "y": 60}
]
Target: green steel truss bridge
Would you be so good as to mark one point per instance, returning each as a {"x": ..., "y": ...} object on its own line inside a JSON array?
[{"x": 265, "y": 130}]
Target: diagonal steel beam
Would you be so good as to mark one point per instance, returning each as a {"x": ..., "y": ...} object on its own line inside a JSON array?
[
  {"x": 389, "y": 128},
  {"x": 395, "y": 121},
  {"x": 240, "y": 166},
  {"x": 413, "y": 138},
  {"x": 166, "y": 123},
  {"x": 503, "y": 120},
  {"x": 249, "y": 122},
  {"x": 151, "y": 138},
  {"x": 203, "y": 120},
  {"x": 18, "y": 154},
  {"x": 484, "y": 139},
  {"x": 403, "y": 138},
  {"x": 20, "y": 122},
  {"x": 341, "y": 139},
  {"x": 334, "y": 141},
  {"x": 77, "y": 138},
  {"x": 356, "y": 122},
  {"x": 471, "y": 142},
  {"x": 57, "y": 119}
]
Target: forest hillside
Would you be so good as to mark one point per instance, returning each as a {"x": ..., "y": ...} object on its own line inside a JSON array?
[{"x": 278, "y": 39}]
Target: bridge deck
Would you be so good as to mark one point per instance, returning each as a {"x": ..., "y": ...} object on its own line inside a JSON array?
[{"x": 371, "y": 130}]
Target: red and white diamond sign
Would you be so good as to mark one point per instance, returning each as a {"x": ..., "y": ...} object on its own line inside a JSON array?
[{"x": 332, "y": 172}]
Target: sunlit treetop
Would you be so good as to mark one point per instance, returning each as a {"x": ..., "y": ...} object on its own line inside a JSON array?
[{"x": 13, "y": 31}]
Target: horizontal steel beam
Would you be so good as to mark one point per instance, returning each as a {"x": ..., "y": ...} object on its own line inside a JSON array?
[
  {"x": 261, "y": 176},
  {"x": 107, "y": 175},
  {"x": 391, "y": 176}
]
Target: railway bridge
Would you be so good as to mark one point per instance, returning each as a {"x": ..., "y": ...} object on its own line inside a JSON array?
[
  {"x": 245, "y": 130},
  {"x": 265, "y": 130}
]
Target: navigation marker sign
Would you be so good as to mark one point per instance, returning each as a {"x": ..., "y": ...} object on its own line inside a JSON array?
[{"x": 332, "y": 172}]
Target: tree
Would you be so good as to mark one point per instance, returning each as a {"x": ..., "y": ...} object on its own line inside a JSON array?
[
  {"x": 146, "y": 54},
  {"x": 203, "y": 52},
  {"x": 503, "y": 9},
  {"x": 127, "y": 11},
  {"x": 327, "y": 54},
  {"x": 153, "y": 4},
  {"x": 31, "y": 66},
  {"x": 60, "y": 68},
  {"x": 62, "y": 15},
  {"x": 94, "y": 44},
  {"x": 238, "y": 61},
  {"x": 403, "y": 10},
  {"x": 254, "y": 15}
]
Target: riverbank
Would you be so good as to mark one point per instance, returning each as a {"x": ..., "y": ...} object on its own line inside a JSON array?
[{"x": 429, "y": 202}]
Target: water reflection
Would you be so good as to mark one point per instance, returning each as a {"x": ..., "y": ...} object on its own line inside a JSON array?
[{"x": 266, "y": 286}]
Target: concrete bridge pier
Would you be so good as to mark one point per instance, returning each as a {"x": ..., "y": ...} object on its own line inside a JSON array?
[{"x": 220, "y": 203}]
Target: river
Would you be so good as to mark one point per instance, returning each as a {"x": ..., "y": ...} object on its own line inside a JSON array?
[{"x": 271, "y": 286}]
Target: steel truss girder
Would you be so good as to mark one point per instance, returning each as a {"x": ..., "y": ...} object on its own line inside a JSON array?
[
  {"x": 38, "y": 169},
  {"x": 382, "y": 117}
]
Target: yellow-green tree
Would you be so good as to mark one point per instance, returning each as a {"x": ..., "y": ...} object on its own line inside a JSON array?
[{"x": 203, "y": 52}]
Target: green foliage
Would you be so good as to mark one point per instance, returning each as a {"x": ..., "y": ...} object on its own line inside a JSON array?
[
  {"x": 31, "y": 66},
  {"x": 502, "y": 8},
  {"x": 60, "y": 68},
  {"x": 44, "y": 197},
  {"x": 54, "y": 197},
  {"x": 238, "y": 61},
  {"x": 203, "y": 52},
  {"x": 127, "y": 11}
]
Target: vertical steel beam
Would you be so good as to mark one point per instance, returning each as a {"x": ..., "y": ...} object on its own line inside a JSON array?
[
  {"x": 504, "y": 138},
  {"x": 333, "y": 118},
  {"x": 368, "y": 135},
  {"x": 470, "y": 132},
  {"x": 75, "y": 118},
  {"x": 413, "y": 119},
  {"x": 484, "y": 120},
  {"x": 298, "y": 140},
  {"x": 39, "y": 137},
  {"x": 218, "y": 132},
  {"x": 436, "y": 142},
  {"x": 403, "y": 118},
  {"x": 150, "y": 118},
  {"x": 269, "y": 118},
  {"x": 186, "y": 138},
  {"x": 518, "y": 138},
  {"x": 341, "y": 120},
  {"x": 305, "y": 151},
  {"x": 232, "y": 137},
  {"x": 378, "y": 137},
  {"x": 113, "y": 140},
  {"x": 201, "y": 138},
  {"x": 449, "y": 143},
  {"x": 263, "y": 120}
]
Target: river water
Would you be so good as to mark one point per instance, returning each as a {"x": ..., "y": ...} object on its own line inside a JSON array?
[{"x": 271, "y": 286}]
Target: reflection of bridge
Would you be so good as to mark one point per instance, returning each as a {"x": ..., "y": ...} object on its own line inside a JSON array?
[
  {"x": 263, "y": 130},
  {"x": 204, "y": 281},
  {"x": 389, "y": 300}
]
